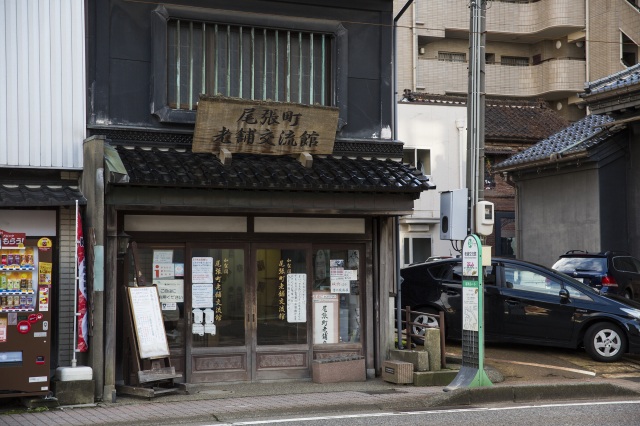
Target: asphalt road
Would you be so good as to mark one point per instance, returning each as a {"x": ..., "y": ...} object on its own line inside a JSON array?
[{"x": 618, "y": 413}]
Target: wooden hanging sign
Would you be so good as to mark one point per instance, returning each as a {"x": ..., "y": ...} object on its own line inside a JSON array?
[{"x": 263, "y": 127}]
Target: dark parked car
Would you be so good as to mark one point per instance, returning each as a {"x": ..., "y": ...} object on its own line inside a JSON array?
[
  {"x": 526, "y": 303},
  {"x": 610, "y": 272}
]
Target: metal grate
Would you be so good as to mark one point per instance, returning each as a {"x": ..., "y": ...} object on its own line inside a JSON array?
[{"x": 246, "y": 62}]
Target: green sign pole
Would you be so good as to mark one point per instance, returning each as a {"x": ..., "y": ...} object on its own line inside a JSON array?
[{"x": 472, "y": 372}]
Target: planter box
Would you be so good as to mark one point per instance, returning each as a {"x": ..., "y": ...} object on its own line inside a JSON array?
[{"x": 339, "y": 369}]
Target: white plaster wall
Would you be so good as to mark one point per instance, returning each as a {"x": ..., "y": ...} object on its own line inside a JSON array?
[{"x": 434, "y": 127}]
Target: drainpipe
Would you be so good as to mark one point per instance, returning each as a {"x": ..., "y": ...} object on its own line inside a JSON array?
[
  {"x": 460, "y": 125},
  {"x": 395, "y": 69}
]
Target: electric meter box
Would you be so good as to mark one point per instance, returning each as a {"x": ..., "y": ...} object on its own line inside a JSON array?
[
  {"x": 453, "y": 214},
  {"x": 484, "y": 218}
]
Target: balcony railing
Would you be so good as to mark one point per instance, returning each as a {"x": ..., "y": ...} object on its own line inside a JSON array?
[
  {"x": 502, "y": 17},
  {"x": 553, "y": 76}
]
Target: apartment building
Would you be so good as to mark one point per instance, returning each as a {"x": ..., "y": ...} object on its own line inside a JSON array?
[
  {"x": 543, "y": 49},
  {"x": 538, "y": 51}
]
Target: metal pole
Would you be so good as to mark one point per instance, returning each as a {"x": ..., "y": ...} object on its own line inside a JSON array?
[{"x": 475, "y": 108}]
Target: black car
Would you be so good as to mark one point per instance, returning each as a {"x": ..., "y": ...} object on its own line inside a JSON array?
[
  {"x": 526, "y": 303},
  {"x": 611, "y": 271}
]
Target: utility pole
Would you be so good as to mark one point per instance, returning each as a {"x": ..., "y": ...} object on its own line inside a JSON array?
[{"x": 476, "y": 108}]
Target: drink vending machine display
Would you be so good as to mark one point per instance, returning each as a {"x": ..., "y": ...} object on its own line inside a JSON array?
[{"x": 25, "y": 314}]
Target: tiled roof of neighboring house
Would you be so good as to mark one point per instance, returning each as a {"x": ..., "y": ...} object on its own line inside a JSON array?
[
  {"x": 507, "y": 119},
  {"x": 182, "y": 168},
  {"x": 39, "y": 195},
  {"x": 579, "y": 136},
  {"x": 625, "y": 78}
]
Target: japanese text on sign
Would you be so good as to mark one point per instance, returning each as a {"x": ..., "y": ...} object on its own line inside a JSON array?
[{"x": 264, "y": 127}]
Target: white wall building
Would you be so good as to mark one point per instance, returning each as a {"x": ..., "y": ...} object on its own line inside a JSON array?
[{"x": 435, "y": 135}]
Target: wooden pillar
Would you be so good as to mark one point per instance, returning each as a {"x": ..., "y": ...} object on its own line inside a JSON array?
[{"x": 93, "y": 190}]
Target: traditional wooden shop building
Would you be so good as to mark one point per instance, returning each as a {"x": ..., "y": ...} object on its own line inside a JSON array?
[{"x": 266, "y": 212}]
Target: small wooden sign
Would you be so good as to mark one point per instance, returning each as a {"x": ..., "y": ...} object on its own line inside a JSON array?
[{"x": 263, "y": 127}]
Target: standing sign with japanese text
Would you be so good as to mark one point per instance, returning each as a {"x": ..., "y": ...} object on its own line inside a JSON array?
[
  {"x": 263, "y": 127},
  {"x": 472, "y": 372}
]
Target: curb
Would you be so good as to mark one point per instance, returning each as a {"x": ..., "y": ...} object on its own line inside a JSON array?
[{"x": 530, "y": 393}]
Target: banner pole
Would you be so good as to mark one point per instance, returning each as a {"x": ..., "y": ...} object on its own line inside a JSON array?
[{"x": 75, "y": 293}]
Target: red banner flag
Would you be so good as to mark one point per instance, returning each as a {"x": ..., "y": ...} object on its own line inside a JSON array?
[{"x": 83, "y": 335}]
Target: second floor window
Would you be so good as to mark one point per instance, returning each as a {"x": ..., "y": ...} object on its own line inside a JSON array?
[
  {"x": 452, "y": 57},
  {"x": 514, "y": 61},
  {"x": 246, "y": 62}
]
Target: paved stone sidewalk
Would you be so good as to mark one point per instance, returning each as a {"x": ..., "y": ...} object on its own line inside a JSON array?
[{"x": 225, "y": 403}]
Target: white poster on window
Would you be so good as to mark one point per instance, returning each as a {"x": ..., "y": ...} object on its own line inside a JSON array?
[
  {"x": 296, "y": 297},
  {"x": 163, "y": 270},
  {"x": 202, "y": 296},
  {"x": 163, "y": 256},
  {"x": 202, "y": 270},
  {"x": 340, "y": 286},
  {"x": 325, "y": 318},
  {"x": 170, "y": 290}
]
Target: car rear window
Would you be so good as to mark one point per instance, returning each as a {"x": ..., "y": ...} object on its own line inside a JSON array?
[
  {"x": 585, "y": 264},
  {"x": 624, "y": 263}
]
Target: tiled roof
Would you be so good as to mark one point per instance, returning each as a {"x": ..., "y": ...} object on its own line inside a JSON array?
[
  {"x": 507, "y": 119},
  {"x": 39, "y": 195},
  {"x": 169, "y": 167},
  {"x": 579, "y": 136},
  {"x": 624, "y": 78}
]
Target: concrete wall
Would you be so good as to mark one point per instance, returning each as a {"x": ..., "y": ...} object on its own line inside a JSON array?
[{"x": 556, "y": 213}]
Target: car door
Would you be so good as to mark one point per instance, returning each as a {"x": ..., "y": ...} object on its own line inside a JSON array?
[
  {"x": 451, "y": 299},
  {"x": 628, "y": 275},
  {"x": 531, "y": 307}
]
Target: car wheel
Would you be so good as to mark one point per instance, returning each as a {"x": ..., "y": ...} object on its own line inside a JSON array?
[
  {"x": 421, "y": 322},
  {"x": 605, "y": 342}
]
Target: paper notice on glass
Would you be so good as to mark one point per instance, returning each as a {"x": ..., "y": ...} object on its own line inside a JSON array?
[
  {"x": 178, "y": 269},
  {"x": 296, "y": 297},
  {"x": 351, "y": 274},
  {"x": 163, "y": 270},
  {"x": 202, "y": 295},
  {"x": 340, "y": 286},
  {"x": 170, "y": 290},
  {"x": 198, "y": 329},
  {"x": 336, "y": 269},
  {"x": 163, "y": 256},
  {"x": 169, "y": 306},
  {"x": 202, "y": 270}
]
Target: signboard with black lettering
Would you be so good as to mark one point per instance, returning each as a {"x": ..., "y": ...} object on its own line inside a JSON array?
[{"x": 263, "y": 127}]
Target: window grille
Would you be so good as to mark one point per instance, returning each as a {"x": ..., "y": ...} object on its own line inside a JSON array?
[
  {"x": 514, "y": 61},
  {"x": 452, "y": 57},
  {"x": 246, "y": 62}
]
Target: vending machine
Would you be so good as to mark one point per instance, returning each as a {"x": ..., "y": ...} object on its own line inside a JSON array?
[{"x": 25, "y": 314}]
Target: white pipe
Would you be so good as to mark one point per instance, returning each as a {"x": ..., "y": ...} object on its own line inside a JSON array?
[{"x": 460, "y": 125}]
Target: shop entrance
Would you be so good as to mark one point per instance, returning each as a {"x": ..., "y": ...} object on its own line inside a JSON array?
[
  {"x": 256, "y": 335},
  {"x": 225, "y": 308},
  {"x": 246, "y": 311}
]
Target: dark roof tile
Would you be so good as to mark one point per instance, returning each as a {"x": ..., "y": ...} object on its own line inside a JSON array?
[
  {"x": 579, "y": 136},
  {"x": 39, "y": 195},
  {"x": 183, "y": 168}
]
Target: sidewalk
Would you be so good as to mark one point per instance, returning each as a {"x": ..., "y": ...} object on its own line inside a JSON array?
[{"x": 226, "y": 402}]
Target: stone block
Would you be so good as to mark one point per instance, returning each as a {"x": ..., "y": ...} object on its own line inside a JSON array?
[
  {"x": 419, "y": 359},
  {"x": 74, "y": 392},
  {"x": 432, "y": 346},
  {"x": 338, "y": 369},
  {"x": 397, "y": 372}
]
